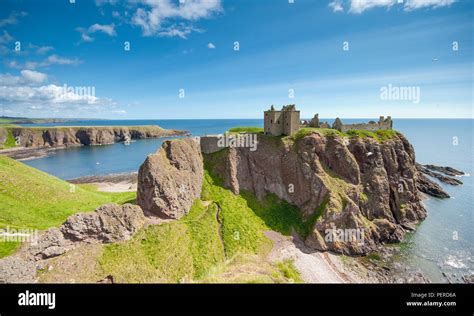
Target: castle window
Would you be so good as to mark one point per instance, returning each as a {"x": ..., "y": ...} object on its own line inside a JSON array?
[
  {"x": 278, "y": 121},
  {"x": 271, "y": 121}
]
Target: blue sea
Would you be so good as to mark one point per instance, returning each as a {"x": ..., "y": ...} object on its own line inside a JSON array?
[{"x": 442, "y": 246}]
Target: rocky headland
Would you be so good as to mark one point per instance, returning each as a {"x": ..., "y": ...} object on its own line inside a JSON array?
[
  {"x": 340, "y": 184},
  {"x": 26, "y": 140}
]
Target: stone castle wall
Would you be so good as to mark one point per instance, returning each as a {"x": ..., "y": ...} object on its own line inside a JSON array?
[{"x": 209, "y": 144}]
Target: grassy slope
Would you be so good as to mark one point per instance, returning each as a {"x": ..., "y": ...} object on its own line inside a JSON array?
[
  {"x": 195, "y": 248},
  {"x": 10, "y": 140},
  {"x": 33, "y": 199}
]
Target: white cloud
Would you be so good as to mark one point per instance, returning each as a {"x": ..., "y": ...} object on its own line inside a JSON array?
[
  {"x": 34, "y": 76},
  {"x": 418, "y": 4},
  {"x": 57, "y": 60},
  {"x": 26, "y": 94},
  {"x": 41, "y": 49},
  {"x": 180, "y": 30},
  {"x": 359, "y": 6},
  {"x": 51, "y": 60},
  {"x": 104, "y": 2},
  {"x": 108, "y": 29},
  {"x": 211, "y": 46},
  {"x": 336, "y": 6},
  {"x": 12, "y": 18},
  {"x": 154, "y": 14},
  {"x": 5, "y": 37},
  {"x": 27, "y": 77}
]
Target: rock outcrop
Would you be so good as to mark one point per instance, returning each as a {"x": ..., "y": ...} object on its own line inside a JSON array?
[
  {"x": 359, "y": 192},
  {"x": 171, "y": 179},
  {"x": 108, "y": 223},
  {"x": 45, "y": 137},
  {"x": 436, "y": 172}
]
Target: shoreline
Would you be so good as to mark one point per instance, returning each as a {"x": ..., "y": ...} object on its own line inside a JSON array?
[{"x": 115, "y": 182}]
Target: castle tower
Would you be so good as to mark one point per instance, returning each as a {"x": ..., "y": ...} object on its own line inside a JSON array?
[
  {"x": 315, "y": 121},
  {"x": 337, "y": 124},
  {"x": 284, "y": 122}
]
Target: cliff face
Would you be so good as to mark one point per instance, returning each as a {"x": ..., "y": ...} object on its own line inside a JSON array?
[
  {"x": 171, "y": 179},
  {"x": 359, "y": 192},
  {"x": 76, "y": 136}
]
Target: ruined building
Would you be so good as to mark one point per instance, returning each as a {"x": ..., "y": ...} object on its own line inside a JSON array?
[
  {"x": 382, "y": 124},
  {"x": 287, "y": 122},
  {"x": 284, "y": 122}
]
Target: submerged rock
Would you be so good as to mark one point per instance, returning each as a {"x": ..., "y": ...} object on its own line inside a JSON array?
[{"x": 171, "y": 179}]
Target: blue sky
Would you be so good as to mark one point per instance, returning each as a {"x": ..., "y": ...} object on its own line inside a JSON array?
[{"x": 288, "y": 53}]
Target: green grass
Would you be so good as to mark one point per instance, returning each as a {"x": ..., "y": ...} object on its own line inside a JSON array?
[
  {"x": 30, "y": 198},
  {"x": 379, "y": 136},
  {"x": 305, "y": 131},
  {"x": 289, "y": 270},
  {"x": 8, "y": 247},
  {"x": 281, "y": 216},
  {"x": 242, "y": 229},
  {"x": 158, "y": 254},
  {"x": 246, "y": 129},
  {"x": 10, "y": 141},
  {"x": 207, "y": 249}
]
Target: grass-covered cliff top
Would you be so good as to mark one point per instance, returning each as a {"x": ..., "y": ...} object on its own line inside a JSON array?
[
  {"x": 246, "y": 129},
  {"x": 379, "y": 136}
]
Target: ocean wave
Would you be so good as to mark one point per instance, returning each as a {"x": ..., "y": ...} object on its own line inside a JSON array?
[{"x": 455, "y": 262}]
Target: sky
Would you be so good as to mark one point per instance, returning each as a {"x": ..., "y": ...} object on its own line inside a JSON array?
[{"x": 196, "y": 59}]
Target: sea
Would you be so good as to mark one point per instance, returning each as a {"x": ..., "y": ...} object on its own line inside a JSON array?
[{"x": 442, "y": 247}]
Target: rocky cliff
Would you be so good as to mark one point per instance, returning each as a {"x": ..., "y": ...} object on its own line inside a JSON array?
[
  {"x": 358, "y": 192},
  {"x": 171, "y": 179},
  {"x": 76, "y": 136}
]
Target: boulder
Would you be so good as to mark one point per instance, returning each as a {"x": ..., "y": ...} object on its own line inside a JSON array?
[
  {"x": 109, "y": 223},
  {"x": 171, "y": 179}
]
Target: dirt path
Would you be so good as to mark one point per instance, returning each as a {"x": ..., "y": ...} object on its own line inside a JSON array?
[{"x": 314, "y": 267}]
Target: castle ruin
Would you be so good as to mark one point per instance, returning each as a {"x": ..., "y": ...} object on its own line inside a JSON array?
[
  {"x": 284, "y": 122},
  {"x": 287, "y": 122}
]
